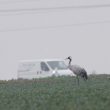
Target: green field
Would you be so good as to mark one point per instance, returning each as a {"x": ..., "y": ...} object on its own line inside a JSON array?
[{"x": 56, "y": 93}]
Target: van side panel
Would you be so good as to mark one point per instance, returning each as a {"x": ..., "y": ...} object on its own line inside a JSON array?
[{"x": 29, "y": 70}]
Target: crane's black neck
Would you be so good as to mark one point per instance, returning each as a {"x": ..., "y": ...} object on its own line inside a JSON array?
[{"x": 70, "y": 60}]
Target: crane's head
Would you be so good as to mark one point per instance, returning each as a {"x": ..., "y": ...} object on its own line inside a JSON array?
[{"x": 69, "y": 58}]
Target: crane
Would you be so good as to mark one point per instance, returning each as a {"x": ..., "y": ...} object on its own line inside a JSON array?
[{"x": 77, "y": 70}]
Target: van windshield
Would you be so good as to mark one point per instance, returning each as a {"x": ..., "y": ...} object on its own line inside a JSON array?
[{"x": 60, "y": 65}]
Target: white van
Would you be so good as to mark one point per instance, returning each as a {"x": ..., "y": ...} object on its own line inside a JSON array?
[{"x": 42, "y": 68}]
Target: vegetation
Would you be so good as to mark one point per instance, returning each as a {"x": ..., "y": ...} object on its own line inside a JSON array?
[{"x": 56, "y": 93}]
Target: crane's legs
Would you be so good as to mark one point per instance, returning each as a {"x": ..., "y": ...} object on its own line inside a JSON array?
[{"x": 77, "y": 79}]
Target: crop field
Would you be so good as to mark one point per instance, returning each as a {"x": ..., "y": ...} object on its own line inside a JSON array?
[{"x": 56, "y": 93}]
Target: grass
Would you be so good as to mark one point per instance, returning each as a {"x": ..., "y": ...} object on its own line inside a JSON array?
[{"x": 56, "y": 93}]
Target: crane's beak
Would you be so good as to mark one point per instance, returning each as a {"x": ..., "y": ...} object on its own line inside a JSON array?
[{"x": 66, "y": 58}]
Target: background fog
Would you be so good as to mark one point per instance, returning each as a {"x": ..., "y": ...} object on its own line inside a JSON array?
[{"x": 36, "y": 29}]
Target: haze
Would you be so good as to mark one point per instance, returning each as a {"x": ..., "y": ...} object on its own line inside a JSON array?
[{"x": 83, "y": 33}]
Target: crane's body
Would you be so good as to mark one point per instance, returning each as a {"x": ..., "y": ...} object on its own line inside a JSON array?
[{"x": 77, "y": 70}]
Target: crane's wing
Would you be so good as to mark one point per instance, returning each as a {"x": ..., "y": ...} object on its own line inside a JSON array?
[
  {"x": 75, "y": 69},
  {"x": 78, "y": 71}
]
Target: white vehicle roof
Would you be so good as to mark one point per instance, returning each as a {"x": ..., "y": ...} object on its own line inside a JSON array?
[{"x": 40, "y": 60}]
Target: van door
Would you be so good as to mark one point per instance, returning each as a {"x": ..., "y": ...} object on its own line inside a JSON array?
[{"x": 45, "y": 71}]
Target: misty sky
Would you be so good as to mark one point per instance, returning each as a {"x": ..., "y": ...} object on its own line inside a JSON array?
[{"x": 83, "y": 33}]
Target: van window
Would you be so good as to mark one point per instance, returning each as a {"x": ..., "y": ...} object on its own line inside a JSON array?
[
  {"x": 44, "y": 67},
  {"x": 60, "y": 65}
]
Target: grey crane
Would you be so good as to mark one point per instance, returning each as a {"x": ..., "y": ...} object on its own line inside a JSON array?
[{"x": 77, "y": 70}]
